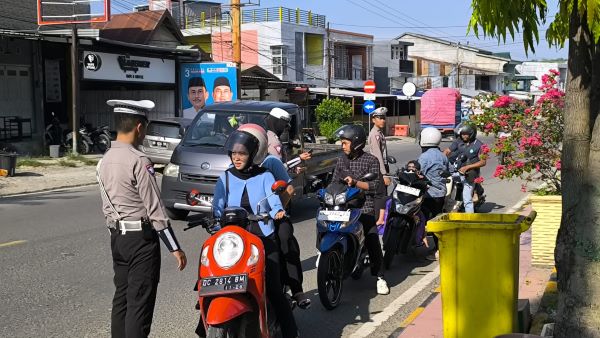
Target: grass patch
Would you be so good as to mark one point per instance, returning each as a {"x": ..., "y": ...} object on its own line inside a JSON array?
[
  {"x": 82, "y": 159},
  {"x": 67, "y": 163},
  {"x": 30, "y": 162}
]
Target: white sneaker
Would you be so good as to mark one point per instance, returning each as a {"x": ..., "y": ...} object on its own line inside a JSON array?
[{"x": 382, "y": 287}]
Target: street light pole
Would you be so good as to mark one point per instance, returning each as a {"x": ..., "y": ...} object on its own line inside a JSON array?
[{"x": 74, "y": 87}]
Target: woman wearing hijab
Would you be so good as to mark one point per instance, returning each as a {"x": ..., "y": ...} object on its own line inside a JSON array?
[{"x": 244, "y": 185}]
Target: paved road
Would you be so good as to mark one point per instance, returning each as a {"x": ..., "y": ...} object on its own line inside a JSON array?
[{"x": 58, "y": 283}]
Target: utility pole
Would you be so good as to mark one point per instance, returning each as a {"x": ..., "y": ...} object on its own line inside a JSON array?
[
  {"x": 236, "y": 36},
  {"x": 457, "y": 65},
  {"x": 74, "y": 86},
  {"x": 328, "y": 64}
]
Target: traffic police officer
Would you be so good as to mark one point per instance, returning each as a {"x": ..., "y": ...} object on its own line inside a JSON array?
[
  {"x": 136, "y": 219},
  {"x": 378, "y": 148}
]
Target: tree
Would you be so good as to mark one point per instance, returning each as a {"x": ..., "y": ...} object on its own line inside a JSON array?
[
  {"x": 330, "y": 115},
  {"x": 577, "y": 251}
]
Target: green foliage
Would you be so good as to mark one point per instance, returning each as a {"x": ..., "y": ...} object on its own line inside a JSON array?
[
  {"x": 29, "y": 162},
  {"x": 67, "y": 163},
  {"x": 331, "y": 113},
  {"x": 499, "y": 18}
]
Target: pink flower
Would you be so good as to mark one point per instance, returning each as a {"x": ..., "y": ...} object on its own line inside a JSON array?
[
  {"x": 523, "y": 188},
  {"x": 517, "y": 124},
  {"x": 479, "y": 180},
  {"x": 502, "y": 101},
  {"x": 527, "y": 111},
  {"x": 489, "y": 126},
  {"x": 499, "y": 171},
  {"x": 519, "y": 164},
  {"x": 554, "y": 72},
  {"x": 537, "y": 167},
  {"x": 485, "y": 149},
  {"x": 558, "y": 165}
]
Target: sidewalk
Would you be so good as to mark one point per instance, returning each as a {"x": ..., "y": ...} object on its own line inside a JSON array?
[
  {"x": 532, "y": 282},
  {"x": 43, "y": 174}
]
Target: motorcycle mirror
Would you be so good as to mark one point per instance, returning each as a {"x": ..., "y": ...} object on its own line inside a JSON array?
[
  {"x": 279, "y": 186},
  {"x": 191, "y": 197},
  {"x": 369, "y": 177},
  {"x": 182, "y": 131},
  {"x": 391, "y": 159}
]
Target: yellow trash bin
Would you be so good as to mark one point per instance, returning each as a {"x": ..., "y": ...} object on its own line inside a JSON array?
[{"x": 479, "y": 267}]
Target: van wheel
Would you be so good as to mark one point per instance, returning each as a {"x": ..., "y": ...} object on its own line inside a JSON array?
[{"x": 177, "y": 214}]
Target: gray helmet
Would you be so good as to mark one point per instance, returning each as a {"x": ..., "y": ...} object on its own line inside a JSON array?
[
  {"x": 467, "y": 129},
  {"x": 355, "y": 134},
  {"x": 430, "y": 137}
]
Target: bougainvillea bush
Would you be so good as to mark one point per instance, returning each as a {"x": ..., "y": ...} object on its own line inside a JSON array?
[{"x": 528, "y": 137}]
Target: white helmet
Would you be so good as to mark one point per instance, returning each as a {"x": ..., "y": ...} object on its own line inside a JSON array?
[
  {"x": 261, "y": 135},
  {"x": 430, "y": 137},
  {"x": 280, "y": 114}
]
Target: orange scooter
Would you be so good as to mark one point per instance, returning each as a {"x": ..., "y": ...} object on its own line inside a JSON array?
[{"x": 231, "y": 283}]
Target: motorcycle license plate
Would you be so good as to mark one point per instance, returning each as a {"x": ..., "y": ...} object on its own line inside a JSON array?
[
  {"x": 408, "y": 190},
  {"x": 159, "y": 144},
  {"x": 334, "y": 215},
  {"x": 223, "y": 284}
]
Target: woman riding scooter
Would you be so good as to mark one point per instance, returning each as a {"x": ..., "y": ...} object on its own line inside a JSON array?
[{"x": 244, "y": 185}]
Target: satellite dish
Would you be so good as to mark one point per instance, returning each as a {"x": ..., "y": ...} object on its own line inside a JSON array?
[{"x": 409, "y": 89}]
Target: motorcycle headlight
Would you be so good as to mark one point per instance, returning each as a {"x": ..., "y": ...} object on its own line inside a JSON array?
[
  {"x": 171, "y": 170},
  {"x": 328, "y": 199},
  {"x": 204, "y": 257},
  {"x": 228, "y": 249},
  {"x": 340, "y": 198},
  {"x": 344, "y": 224},
  {"x": 253, "y": 259}
]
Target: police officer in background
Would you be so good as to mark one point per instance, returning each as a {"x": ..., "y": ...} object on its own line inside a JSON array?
[
  {"x": 136, "y": 220},
  {"x": 378, "y": 148}
]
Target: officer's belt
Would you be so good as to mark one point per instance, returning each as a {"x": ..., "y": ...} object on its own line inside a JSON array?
[{"x": 125, "y": 226}]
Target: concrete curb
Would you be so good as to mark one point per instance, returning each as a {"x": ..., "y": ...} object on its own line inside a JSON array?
[{"x": 54, "y": 189}]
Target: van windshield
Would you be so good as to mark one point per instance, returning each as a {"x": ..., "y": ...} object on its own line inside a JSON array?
[{"x": 213, "y": 128}]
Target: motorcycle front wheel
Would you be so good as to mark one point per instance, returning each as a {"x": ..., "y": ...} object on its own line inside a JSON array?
[
  {"x": 330, "y": 278},
  {"x": 245, "y": 326}
]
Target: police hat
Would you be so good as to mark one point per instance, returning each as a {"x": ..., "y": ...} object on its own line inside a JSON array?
[
  {"x": 221, "y": 81},
  {"x": 196, "y": 82},
  {"x": 381, "y": 111},
  {"x": 131, "y": 107}
]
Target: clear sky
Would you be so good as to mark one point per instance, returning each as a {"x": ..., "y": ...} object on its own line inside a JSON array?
[{"x": 386, "y": 19}]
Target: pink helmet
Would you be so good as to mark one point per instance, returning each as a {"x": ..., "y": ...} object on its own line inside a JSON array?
[{"x": 261, "y": 135}]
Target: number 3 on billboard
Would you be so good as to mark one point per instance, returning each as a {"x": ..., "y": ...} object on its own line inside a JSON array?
[{"x": 187, "y": 73}]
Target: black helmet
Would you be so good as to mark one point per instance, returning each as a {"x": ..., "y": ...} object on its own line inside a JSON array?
[
  {"x": 355, "y": 134},
  {"x": 247, "y": 140},
  {"x": 467, "y": 129},
  {"x": 234, "y": 216}
]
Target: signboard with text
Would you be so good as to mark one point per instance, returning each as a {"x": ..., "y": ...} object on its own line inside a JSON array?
[{"x": 127, "y": 68}]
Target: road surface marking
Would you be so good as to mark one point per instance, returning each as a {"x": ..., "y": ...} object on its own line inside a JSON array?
[
  {"x": 412, "y": 317},
  {"x": 367, "y": 328},
  {"x": 12, "y": 243}
]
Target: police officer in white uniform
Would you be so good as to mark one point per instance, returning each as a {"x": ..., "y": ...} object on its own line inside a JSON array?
[{"x": 136, "y": 219}]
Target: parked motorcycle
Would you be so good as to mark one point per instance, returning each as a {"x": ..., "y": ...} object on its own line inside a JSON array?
[
  {"x": 405, "y": 225},
  {"x": 231, "y": 281},
  {"x": 100, "y": 137},
  {"x": 54, "y": 132},
  {"x": 340, "y": 239},
  {"x": 84, "y": 141}
]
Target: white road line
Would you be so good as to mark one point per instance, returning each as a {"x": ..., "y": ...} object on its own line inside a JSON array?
[
  {"x": 3, "y": 245},
  {"x": 366, "y": 329}
]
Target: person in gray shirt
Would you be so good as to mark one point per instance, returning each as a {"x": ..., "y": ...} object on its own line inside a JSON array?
[
  {"x": 136, "y": 219},
  {"x": 378, "y": 148}
]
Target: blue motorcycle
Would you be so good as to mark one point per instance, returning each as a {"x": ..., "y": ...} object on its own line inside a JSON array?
[{"x": 340, "y": 239}]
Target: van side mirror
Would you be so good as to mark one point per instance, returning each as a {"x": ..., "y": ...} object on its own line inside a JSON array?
[
  {"x": 279, "y": 186},
  {"x": 182, "y": 130},
  {"x": 391, "y": 159}
]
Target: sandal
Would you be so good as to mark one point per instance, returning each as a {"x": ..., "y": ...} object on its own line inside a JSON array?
[{"x": 302, "y": 301}]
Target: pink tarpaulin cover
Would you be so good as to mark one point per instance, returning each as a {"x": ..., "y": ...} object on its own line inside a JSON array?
[{"x": 438, "y": 106}]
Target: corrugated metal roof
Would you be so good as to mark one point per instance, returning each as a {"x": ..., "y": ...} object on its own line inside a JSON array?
[{"x": 137, "y": 27}]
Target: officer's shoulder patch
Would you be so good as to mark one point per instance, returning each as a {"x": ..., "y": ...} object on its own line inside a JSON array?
[
  {"x": 150, "y": 169},
  {"x": 377, "y": 137}
]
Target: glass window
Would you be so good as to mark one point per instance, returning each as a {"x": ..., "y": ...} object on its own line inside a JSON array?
[
  {"x": 164, "y": 129},
  {"x": 279, "y": 59}
]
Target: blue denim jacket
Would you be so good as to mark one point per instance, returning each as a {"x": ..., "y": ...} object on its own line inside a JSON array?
[
  {"x": 432, "y": 161},
  {"x": 258, "y": 187}
]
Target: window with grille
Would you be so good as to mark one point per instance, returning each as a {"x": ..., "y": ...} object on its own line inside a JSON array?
[{"x": 279, "y": 58}]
